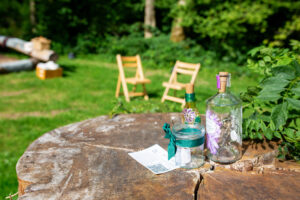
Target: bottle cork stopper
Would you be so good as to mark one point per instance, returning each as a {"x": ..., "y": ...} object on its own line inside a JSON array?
[
  {"x": 223, "y": 80},
  {"x": 189, "y": 88}
]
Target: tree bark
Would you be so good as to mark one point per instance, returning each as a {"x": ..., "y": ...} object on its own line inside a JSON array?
[
  {"x": 177, "y": 32},
  {"x": 32, "y": 15},
  {"x": 149, "y": 18}
]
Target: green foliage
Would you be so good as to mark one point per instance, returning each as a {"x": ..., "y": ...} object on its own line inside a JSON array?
[
  {"x": 12, "y": 15},
  {"x": 159, "y": 51},
  {"x": 291, "y": 27},
  {"x": 274, "y": 105},
  {"x": 220, "y": 19},
  {"x": 226, "y": 28},
  {"x": 87, "y": 43},
  {"x": 67, "y": 21},
  {"x": 232, "y": 27},
  {"x": 264, "y": 59}
]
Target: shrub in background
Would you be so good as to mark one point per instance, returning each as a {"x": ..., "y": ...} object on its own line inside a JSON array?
[{"x": 158, "y": 51}]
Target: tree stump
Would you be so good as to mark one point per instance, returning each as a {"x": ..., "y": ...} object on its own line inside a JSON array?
[{"x": 89, "y": 160}]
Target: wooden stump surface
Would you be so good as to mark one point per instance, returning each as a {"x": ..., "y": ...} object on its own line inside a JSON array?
[{"x": 89, "y": 160}]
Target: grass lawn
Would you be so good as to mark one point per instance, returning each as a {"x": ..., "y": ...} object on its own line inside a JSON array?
[{"x": 30, "y": 107}]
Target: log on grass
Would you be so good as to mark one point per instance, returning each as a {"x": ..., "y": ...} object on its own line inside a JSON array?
[
  {"x": 19, "y": 65},
  {"x": 25, "y": 47}
]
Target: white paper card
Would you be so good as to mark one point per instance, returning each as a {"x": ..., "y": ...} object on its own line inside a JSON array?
[{"x": 155, "y": 158}]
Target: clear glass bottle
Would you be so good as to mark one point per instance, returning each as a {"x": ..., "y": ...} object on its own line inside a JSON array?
[
  {"x": 224, "y": 123},
  {"x": 190, "y": 111}
]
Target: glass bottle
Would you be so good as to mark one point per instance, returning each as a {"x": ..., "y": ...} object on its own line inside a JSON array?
[
  {"x": 224, "y": 123},
  {"x": 190, "y": 111}
]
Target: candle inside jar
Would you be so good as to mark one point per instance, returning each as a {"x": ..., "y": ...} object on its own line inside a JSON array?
[{"x": 189, "y": 145}]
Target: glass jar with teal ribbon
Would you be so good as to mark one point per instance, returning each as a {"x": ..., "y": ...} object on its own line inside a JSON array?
[{"x": 186, "y": 144}]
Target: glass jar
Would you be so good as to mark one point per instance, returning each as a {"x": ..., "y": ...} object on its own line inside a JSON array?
[
  {"x": 190, "y": 140},
  {"x": 224, "y": 123}
]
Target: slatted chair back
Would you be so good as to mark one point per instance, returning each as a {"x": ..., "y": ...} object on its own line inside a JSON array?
[{"x": 173, "y": 83}]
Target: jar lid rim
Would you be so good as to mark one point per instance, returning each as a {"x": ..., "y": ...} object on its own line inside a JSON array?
[{"x": 188, "y": 131}]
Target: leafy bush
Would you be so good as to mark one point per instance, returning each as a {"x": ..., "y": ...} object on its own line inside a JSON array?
[
  {"x": 87, "y": 43},
  {"x": 162, "y": 51},
  {"x": 274, "y": 105},
  {"x": 14, "y": 18},
  {"x": 228, "y": 27},
  {"x": 232, "y": 27},
  {"x": 159, "y": 51},
  {"x": 125, "y": 46}
]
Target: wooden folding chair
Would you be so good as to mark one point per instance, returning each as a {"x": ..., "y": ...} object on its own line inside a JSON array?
[
  {"x": 132, "y": 62},
  {"x": 180, "y": 68}
]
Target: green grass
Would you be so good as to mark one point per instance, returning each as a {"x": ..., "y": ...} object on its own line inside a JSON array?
[{"x": 29, "y": 107}]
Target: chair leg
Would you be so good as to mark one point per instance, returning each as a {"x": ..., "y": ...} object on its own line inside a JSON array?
[
  {"x": 165, "y": 94},
  {"x": 146, "y": 97},
  {"x": 182, "y": 105},
  {"x": 125, "y": 90},
  {"x": 118, "y": 87}
]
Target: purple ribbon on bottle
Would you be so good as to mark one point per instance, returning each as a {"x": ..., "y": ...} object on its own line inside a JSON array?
[{"x": 218, "y": 82}]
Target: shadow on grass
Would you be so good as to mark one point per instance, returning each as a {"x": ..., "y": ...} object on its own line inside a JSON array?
[
  {"x": 68, "y": 69},
  {"x": 155, "y": 93}
]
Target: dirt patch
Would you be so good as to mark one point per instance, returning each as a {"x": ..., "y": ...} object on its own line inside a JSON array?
[
  {"x": 13, "y": 93},
  {"x": 4, "y": 59},
  {"x": 31, "y": 114}
]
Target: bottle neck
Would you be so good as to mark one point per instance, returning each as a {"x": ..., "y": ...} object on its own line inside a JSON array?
[
  {"x": 227, "y": 90},
  {"x": 223, "y": 83},
  {"x": 189, "y": 97}
]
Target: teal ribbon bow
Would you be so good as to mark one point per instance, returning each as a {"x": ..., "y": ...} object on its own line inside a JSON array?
[{"x": 172, "y": 143}]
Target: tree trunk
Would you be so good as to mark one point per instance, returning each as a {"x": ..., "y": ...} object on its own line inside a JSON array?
[
  {"x": 32, "y": 16},
  {"x": 177, "y": 32},
  {"x": 149, "y": 18}
]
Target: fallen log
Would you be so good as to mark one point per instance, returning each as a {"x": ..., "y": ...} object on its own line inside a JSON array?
[
  {"x": 19, "y": 65},
  {"x": 27, "y": 48}
]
